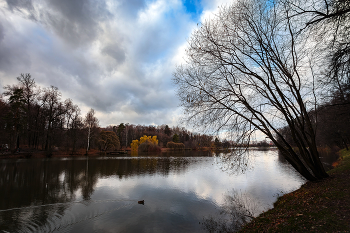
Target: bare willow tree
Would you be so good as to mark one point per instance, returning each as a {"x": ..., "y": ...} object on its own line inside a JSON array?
[
  {"x": 329, "y": 22},
  {"x": 246, "y": 71}
]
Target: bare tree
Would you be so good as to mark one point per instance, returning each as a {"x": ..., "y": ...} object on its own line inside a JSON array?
[
  {"x": 328, "y": 22},
  {"x": 28, "y": 86},
  {"x": 245, "y": 72},
  {"x": 29, "y": 93},
  {"x": 55, "y": 112},
  {"x": 73, "y": 123},
  {"x": 320, "y": 11},
  {"x": 90, "y": 122}
]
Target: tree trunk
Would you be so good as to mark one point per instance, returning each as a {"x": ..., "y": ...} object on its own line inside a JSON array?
[{"x": 88, "y": 142}]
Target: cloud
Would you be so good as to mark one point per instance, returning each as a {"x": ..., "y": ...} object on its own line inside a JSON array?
[
  {"x": 117, "y": 57},
  {"x": 115, "y": 52},
  {"x": 75, "y": 21}
]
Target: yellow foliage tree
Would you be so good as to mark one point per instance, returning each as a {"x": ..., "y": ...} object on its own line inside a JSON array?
[{"x": 135, "y": 143}]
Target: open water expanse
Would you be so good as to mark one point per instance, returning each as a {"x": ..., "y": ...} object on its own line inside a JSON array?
[{"x": 182, "y": 192}]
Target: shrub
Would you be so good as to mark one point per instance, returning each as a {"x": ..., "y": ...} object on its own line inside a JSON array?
[
  {"x": 154, "y": 148},
  {"x": 176, "y": 146},
  {"x": 148, "y": 147}
]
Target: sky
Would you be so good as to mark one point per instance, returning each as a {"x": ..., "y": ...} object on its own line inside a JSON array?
[{"x": 115, "y": 56}]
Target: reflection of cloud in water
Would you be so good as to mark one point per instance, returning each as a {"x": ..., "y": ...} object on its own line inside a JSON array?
[
  {"x": 203, "y": 178},
  {"x": 170, "y": 210},
  {"x": 178, "y": 192},
  {"x": 262, "y": 180}
]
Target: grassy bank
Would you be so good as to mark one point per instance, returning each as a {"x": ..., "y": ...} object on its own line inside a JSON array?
[{"x": 315, "y": 207}]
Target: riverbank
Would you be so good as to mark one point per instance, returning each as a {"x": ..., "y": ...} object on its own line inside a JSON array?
[
  {"x": 56, "y": 153},
  {"x": 26, "y": 153},
  {"x": 315, "y": 207}
]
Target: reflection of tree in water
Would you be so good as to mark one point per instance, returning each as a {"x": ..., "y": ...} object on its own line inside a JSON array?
[
  {"x": 238, "y": 210},
  {"x": 281, "y": 158},
  {"x": 44, "y": 182},
  {"x": 37, "y": 182},
  {"x": 237, "y": 161}
]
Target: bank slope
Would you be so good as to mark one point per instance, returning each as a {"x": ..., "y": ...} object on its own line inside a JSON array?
[{"x": 315, "y": 207}]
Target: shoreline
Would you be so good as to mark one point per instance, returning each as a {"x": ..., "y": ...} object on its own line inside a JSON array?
[
  {"x": 26, "y": 153},
  {"x": 322, "y": 206}
]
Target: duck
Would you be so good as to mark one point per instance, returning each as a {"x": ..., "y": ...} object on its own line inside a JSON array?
[{"x": 141, "y": 202}]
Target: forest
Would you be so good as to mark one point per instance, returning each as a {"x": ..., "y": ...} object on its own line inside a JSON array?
[{"x": 37, "y": 118}]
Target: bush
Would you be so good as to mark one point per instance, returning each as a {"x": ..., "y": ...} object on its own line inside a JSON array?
[
  {"x": 148, "y": 147},
  {"x": 176, "y": 146},
  {"x": 154, "y": 148}
]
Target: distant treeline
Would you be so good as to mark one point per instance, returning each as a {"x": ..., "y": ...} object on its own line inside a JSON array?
[
  {"x": 37, "y": 118},
  {"x": 128, "y": 132}
]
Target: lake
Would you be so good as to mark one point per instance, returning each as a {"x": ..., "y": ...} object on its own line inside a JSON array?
[{"x": 182, "y": 192}]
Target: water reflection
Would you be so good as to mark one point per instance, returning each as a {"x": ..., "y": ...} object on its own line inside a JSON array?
[
  {"x": 236, "y": 161},
  {"x": 57, "y": 180},
  {"x": 237, "y": 210},
  {"x": 101, "y": 194},
  {"x": 40, "y": 182}
]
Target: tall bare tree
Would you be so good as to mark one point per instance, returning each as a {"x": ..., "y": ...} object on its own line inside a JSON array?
[
  {"x": 246, "y": 71},
  {"x": 90, "y": 122},
  {"x": 27, "y": 84},
  {"x": 54, "y": 112}
]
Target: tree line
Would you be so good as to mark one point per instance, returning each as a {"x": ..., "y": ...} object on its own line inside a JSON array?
[
  {"x": 38, "y": 118},
  {"x": 129, "y": 132}
]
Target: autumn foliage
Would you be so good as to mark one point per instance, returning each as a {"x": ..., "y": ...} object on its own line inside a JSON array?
[{"x": 146, "y": 144}]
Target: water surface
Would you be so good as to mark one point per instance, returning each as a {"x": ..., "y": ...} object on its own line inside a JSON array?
[{"x": 182, "y": 192}]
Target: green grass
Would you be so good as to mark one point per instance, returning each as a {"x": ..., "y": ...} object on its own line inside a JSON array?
[{"x": 315, "y": 207}]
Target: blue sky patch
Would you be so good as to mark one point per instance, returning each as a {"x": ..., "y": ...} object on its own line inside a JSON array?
[{"x": 194, "y": 8}]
